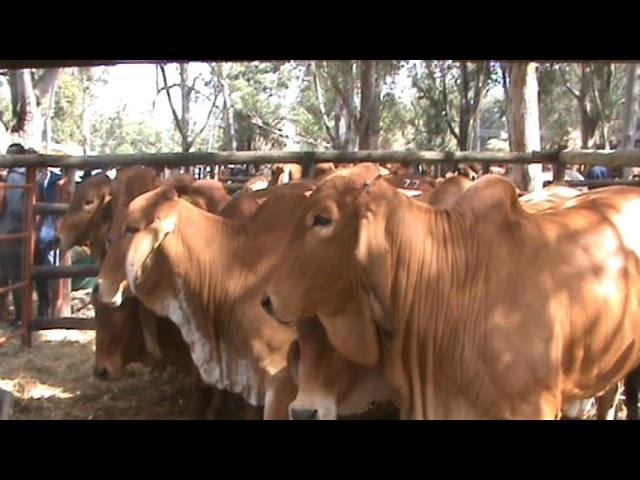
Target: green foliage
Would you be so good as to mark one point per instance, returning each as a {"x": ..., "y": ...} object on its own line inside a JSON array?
[
  {"x": 117, "y": 134},
  {"x": 396, "y": 129},
  {"x": 66, "y": 120},
  {"x": 258, "y": 91},
  {"x": 559, "y": 113}
]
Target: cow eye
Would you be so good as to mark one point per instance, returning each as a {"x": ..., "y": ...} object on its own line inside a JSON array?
[
  {"x": 131, "y": 230},
  {"x": 321, "y": 221},
  {"x": 88, "y": 201}
]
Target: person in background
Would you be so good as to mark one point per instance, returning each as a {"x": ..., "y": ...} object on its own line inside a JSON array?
[
  {"x": 598, "y": 172},
  {"x": 46, "y": 242},
  {"x": 12, "y": 222}
]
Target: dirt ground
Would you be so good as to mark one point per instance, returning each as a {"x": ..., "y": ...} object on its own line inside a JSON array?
[{"x": 54, "y": 380}]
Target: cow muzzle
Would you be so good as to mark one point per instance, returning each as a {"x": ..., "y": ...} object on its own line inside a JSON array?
[
  {"x": 270, "y": 307},
  {"x": 267, "y": 305},
  {"x": 101, "y": 373},
  {"x": 298, "y": 413}
]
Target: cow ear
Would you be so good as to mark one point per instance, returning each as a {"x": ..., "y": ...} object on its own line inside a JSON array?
[
  {"x": 371, "y": 260},
  {"x": 144, "y": 244},
  {"x": 106, "y": 211},
  {"x": 293, "y": 359},
  {"x": 163, "y": 227}
]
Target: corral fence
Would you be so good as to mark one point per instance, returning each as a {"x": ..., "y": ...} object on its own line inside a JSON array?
[{"x": 206, "y": 162}]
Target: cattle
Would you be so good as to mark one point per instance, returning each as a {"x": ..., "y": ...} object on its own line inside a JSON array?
[
  {"x": 447, "y": 192},
  {"x": 549, "y": 196},
  {"x": 328, "y": 384},
  {"x": 553, "y": 196},
  {"x": 132, "y": 333},
  {"x": 411, "y": 181},
  {"x": 87, "y": 216},
  {"x": 460, "y": 328},
  {"x": 210, "y": 285}
]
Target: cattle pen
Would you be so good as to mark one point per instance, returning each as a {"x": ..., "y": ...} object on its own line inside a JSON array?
[{"x": 559, "y": 159}]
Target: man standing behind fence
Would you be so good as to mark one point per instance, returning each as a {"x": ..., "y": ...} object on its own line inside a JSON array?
[
  {"x": 46, "y": 240},
  {"x": 11, "y": 222}
]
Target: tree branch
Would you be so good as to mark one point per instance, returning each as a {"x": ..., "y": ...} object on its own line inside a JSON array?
[
  {"x": 45, "y": 82},
  {"x": 345, "y": 101},
  {"x": 320, "y": 98},
  {"x": 174, "y": 113},
  {"x": 206, "y": 122},
  {"x": 568, "y": 87},
  {"x": 445, "y": 99}
]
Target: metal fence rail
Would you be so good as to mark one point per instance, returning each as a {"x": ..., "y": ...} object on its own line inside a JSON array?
[{"x": 27, "y": 236}]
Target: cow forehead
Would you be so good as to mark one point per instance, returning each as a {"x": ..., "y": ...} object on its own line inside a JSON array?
[{"x": 148, "y": 204}]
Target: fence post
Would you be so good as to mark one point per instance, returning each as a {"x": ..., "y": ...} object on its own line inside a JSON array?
[
  {"x": 558, "y": 167},
  {"x": 27, "y": 255},
  {"x": 308, "y": 164}
]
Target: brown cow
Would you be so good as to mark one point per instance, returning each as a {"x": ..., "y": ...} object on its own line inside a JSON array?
[
  {"x": 88, "y": 216},
  {"x": 120, "y": 336},
  {"x": 210, "y": 284},
  {"x": 324, "y": 377},
  {"x": 328, "y": 384},
  {"x": 462, "y": 329}
]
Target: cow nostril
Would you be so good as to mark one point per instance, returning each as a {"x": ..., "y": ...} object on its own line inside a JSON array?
[
  {"x": 101, "y": 373},
  {"x": 266, "y": 304},
  {"x": 304, "y": 414}
]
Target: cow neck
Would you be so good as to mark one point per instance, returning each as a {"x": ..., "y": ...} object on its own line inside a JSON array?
[
  {"x": 434, "y": 259},
  {"x": 210, "y": 282}
]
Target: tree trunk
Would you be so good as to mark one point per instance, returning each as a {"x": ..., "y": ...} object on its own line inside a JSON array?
[
  {"x": 524, "y": 134},
  {"x": 367, "y": 94},
  {"x": 49, "y": 118},
  {"x": 630, "y": 114},
  {"x": 26, "y": 99},
  {"x": 185, "y": 96},
  {"x": 28, "y": 121},
  {"x": 86, "y": 123},
  {"x": 477, "y": 141},
  {"x": 229, "y": 112}
]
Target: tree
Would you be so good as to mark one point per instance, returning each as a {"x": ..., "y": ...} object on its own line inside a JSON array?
[
  {"x": 29, "y": 90},
  {"x": 523, "y": 122},
  {"x": 630, "y": 113},
  {"x": 190, "y": 93},
  {"x": 341, "y": 102},
  {"x": 599, "y": 90},
  {"x": 559, "y": 114},
  {"x": 455, "y": 89},
  {"x": 117, "y": 134}
]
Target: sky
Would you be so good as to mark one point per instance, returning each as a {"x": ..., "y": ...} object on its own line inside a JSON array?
[{"x": 135, "y": 86}]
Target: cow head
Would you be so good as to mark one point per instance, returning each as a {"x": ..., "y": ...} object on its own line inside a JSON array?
[
  {"x": 133, "y": 260},
  {"x": 328, "y": 384},
  {"x": 89, "y": 206},
  {"x": 334, "y": 267},
  {"x": 129, "y": 184},
  {"x": 119, "y": 339}
]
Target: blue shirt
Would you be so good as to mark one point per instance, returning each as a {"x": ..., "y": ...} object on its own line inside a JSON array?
[{"x": 12, "y": 216}]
